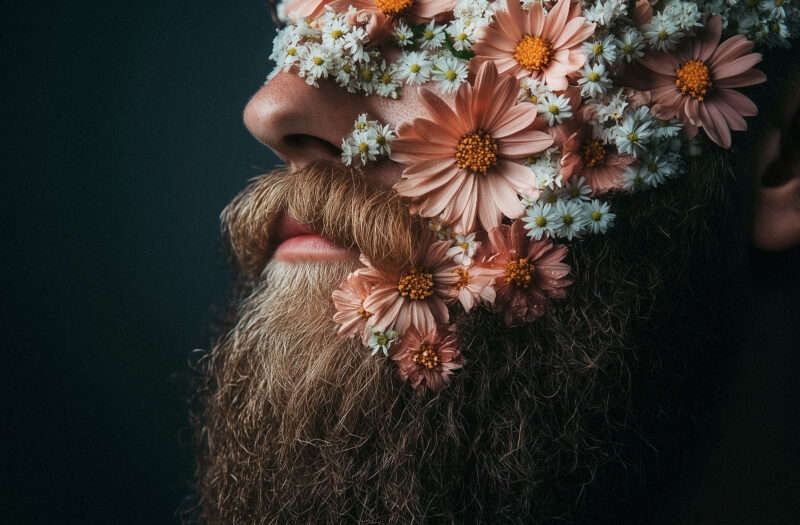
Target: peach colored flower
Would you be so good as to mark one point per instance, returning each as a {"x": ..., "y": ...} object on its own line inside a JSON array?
[
  {"x": 532, "y": 44},
  {"x": 465, "y": 164},
  {"x": 411, "y": 296},
  {"x": 527, "y": 273},
  {"x": 426, "y": 359},
  {"x": 470, "y": 286},
  {"x": 585, "y": 155},
  {"x": 416, "y": 11},
  {"x": 349, "y": 301},
  {"x": 695, "y": 83},
  {"x": 305, "y": 8}
]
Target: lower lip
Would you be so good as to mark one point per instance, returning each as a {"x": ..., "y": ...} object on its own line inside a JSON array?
[{"x": 311, "y": 248}]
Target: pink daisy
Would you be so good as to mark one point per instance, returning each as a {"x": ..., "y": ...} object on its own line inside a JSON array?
[
  {"x": 305, "y": 8},
  {"x": 527, "y": 273},
  {"x": 695, "y": 83},
  {"x": 426, "y": 359},
  {"x": 416, "y": 11},
  {"x": 349, "y": 301},
  {"x": 412, "y": 296},
  {"x": 585, "y": 155},
  {"x": 470, "y": 286},
  {"x": 465, "y": 164},
  {"x": 533, "y": 44}
]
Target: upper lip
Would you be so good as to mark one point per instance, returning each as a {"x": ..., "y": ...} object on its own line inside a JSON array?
[{"x": 287, "y": 227}]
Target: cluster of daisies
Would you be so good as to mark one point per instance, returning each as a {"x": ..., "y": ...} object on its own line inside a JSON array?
[{"x": 536, "y": 109}]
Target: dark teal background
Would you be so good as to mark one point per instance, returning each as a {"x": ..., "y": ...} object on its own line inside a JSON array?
[{"x": 122, "y": 142}]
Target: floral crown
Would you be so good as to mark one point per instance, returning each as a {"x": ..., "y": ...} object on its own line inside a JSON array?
[{"x": 555, "y": 103}]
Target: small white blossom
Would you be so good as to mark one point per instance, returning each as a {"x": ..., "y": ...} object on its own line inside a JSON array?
[
  {"x": 633, "y": 134},
  {"x": 602, "y": 51},
  {"x": 415, "y": 67},
  {"x": 462, "y": 33},
  {"x": 382, "y": 341},
  {"x": 630, "y": 45},
  {"x": 463, "y": 250},
  {"x": 554, "y": 108},
  {"x": 541, "y": 219},
  {"x": 573, "y": 218},
  {"x": 600, "y": 216},
  {"x": 594, "y": 82},
  {"x": 403, "y": 35},
  {"x": 577, "y": 190},
  {"x": 355, "y": 43},
  {"x": 662, "y": 34},
  {"x": 449, "y": 73},
  {"x": 632, "y": 179},
  {"x": 432, "y": 36}
]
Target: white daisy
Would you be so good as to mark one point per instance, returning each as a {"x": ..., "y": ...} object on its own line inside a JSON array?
[
  {"x": 384, "y": 134},
  {"x": 632, "y": 179},
  {"x": 382, "y": 341},
  {"x": 541, "y": 219},
  {"x": 432, "y": 36},
  {"x": 602, "y": 51},
  {"x": 662, "y": 33},
  {"x": 631, "y": 45},
  {"x": 577, "y": 190},
  {"x": 633, "y": 134},
  {"x": 600, "y": 216},
  {"x": 573, "y": 219},
  {"x": 667, "y": 129},
  {"x": 463, "y": 250},
  {"x": 354, "y": 42},
  {"x": 334, "y": 32},
  {"x": 461, "y": 32},
  {"x": 403, "y": 35},
  {"x": 415, "y": 67},
  {"x": 594, "y": 82},
  {"x": 554, "y": 108},
  {"x": 387, "y": 82},
  {"x": 449, "y": 73}
]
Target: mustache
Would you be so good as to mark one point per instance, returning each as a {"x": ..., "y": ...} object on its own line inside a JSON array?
[{"x": 335, "y": 202}]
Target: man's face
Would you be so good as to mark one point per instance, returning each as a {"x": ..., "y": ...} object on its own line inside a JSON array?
[{"x": 561, "y": 418}]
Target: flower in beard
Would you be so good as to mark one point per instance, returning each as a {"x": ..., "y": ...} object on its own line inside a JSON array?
[
  {"x": 471, "y": 286},
  {"x": 466, "y": 164},
  {"x": 584, "y": 154},
  {"x": 412, "y": 296},
  {"x": 416, "y": 11},
  {"x": 695, "y": 83},
  {"x": 527, "y": 273},
  {"x": 350, "y": 311},
  {"x": 535, "y": 44},
  {"x": 427, "y": 358}
]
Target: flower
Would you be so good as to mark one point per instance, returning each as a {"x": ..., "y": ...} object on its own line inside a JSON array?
[
  {"x": 541, "y": 219},
  {"x": 577, "y": 190},
  {"x": 427, "y": 358},
  {"x": 573, "y": 219},
  {"x": 534, "y": 44},
  {"x": 594, "y": 81},
  {"x": 433, "y": 36},
  {"x": 588, "y": 156},
  {"x": 471, "y": 286},
  {"x": 450, "y": 73},
  {"x": 600, "y": 216},
  {"x": 465, "y": 164},
  {"x": 414, "y": 295},
  {"x": 464, "y": 249},
  {"x": 416, "y": 11},
  {"x": 527, "y": 273},
  {"x": 695, "y": 83},
  {"x": 415, "y": 67},
  {"x": 381, "y": 341},
  {"x": 602, "y": 51},
  {"x": 349, "y": 302},
  {"x": 554, "y": 108}
]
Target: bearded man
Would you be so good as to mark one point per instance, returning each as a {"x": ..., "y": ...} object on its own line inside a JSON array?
[{"x": 564, "y": 384}]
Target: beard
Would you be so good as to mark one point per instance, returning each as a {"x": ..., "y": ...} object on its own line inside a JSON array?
[{"x": 576, "y": 417}]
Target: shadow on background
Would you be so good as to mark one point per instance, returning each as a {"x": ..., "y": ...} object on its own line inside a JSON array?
[{"x": 126, "y": 142}]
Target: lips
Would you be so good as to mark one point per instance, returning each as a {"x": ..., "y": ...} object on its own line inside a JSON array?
[{"x": 297, "y": 242}]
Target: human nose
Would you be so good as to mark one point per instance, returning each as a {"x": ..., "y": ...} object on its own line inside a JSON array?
[{"x": 302, "y": 123}]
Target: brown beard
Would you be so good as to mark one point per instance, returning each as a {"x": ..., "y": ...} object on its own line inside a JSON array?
[{"x": 575, "y": 417}]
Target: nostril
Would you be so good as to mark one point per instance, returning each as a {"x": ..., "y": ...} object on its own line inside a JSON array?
[{"x": 312, "y": 144}]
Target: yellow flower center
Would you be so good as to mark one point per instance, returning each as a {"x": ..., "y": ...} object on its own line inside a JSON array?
[
  {"x": 596, "y": 216},
  {"x": 336, "y": 34},
  {"x": 416, "y": 285},
  {"x": 394, "y": 7},
  {"x": 477, "y": 152},
  {"x": 366, "y": 75},
  {"x": 541, "y": 222},
  {"x": 568, "y": 220},
  {"x": 319, "y": 61},
  {"x": 365, "y": 314},
  {"x": 694, "y": 79},
  {"x": 464, "y": 278},
  {"x": 594, "y": 154},
  {"x": 426, "y": 356},
  {"x": 386, "y": 78},
  {"x": 291, "y": 52},
  {"x": 450, "y": 75},
  {"x": 415, "y": 68},
  {"x": 519, "y": 272},
  {"x": 534, "y": 53},
  {"x": 594, "y": 77}
]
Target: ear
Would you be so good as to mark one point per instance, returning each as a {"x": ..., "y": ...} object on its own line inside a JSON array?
[{"x": 776, "y": 218}]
